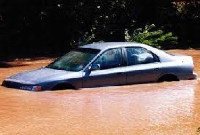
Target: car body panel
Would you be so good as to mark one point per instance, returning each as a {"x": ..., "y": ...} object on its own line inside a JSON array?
[
  {"x": 114, "y": 76},
  {"x": 143, "y": 73}
]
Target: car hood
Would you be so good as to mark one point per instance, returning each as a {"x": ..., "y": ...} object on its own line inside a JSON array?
[{"x": 41, "y": 75}]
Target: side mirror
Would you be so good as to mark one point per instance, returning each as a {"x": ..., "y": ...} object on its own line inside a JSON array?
[{"x": 95, "y": 67}]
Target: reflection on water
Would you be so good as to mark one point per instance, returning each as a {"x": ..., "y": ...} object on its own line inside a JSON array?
[{"x": 169, "y": 108}]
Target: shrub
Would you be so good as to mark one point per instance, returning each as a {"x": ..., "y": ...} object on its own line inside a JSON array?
[{"x": 152, "y": 36}]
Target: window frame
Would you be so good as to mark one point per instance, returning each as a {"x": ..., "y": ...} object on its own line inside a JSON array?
[
  {"x": 123, "y": 57},
  {"x": 155, "y": 57}
]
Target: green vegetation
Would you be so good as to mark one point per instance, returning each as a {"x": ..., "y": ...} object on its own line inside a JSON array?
[
  {"x": 48, "y": 27},
  {"x": 151, "y": 36}
]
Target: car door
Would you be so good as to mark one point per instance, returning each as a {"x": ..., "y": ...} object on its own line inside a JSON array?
[
  {"x": 142, "y": 65},
  {"x": 110, "y": 72}
]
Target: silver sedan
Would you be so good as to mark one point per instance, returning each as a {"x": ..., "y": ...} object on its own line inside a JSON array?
[{"x": 106, "y": 64}]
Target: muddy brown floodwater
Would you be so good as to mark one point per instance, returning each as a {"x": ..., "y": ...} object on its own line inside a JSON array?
[{"x": 169, "y": 108}]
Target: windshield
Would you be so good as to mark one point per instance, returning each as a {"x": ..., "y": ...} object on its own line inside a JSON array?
[{"x": 75, "y": 60}]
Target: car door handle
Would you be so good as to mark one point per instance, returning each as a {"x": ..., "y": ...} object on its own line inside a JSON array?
[
  {"x": 156, "y": 69},
  {"x": 120, "y": 73}
]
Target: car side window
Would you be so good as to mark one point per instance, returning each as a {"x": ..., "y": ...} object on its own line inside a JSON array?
[
  {"x": 110, "y": 59},
  {"x": 138, "y": 55}
]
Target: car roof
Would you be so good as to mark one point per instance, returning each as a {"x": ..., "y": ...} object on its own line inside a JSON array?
[{"x": 108, "y": 45}]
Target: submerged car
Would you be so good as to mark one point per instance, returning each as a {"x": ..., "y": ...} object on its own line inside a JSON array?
[{"x": 106, "y": 64}]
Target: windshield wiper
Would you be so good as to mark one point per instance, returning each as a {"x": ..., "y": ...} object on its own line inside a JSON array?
[{"x": 55, "y": 67}]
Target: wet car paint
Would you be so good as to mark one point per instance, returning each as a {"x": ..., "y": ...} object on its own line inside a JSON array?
[{"x": 158, "y": 108}]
